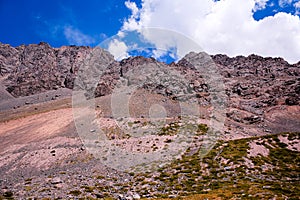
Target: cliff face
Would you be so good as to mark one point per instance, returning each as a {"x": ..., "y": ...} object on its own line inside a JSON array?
[
  {"x": 271, "y": 79},
  {"x": 255, "y": 86},
  {"x": 38, "y": 67}
]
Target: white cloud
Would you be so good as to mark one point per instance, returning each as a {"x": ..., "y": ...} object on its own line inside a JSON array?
[
  {"x": 260, "y": 5},
  {"x": 297, "y": 4},
  {"x": 76, "y": 37},
  {"x": 132, "y": 6},
  {"x": 297, "y": 7},
  {"x": 225, "y": 26},
  {"x": 283, "y": 3},
  {"x": 118, "y": 49}
]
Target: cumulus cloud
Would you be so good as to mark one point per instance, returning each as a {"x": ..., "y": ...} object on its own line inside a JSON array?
[
  {"x": 260, "y": 5},
  {"x": 221, "y": 26},
  {"x": 297, "y": 4},
  {"x": 283, "y": 3},
  {"x": 132, "y": 6},
  {"x": 76, "y": 37},
  {"x": 118, "y": 49},
  {"x": 297, "y": 7}
]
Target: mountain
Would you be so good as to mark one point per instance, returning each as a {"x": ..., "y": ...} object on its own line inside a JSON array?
[
  {"x": 263, "y": 93},
  {"x": 43, "y": 154}
]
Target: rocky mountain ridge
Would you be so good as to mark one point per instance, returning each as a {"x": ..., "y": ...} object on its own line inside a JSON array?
[
  {"x": 257, "y": 87},
  {"x": 36, "y": 68}
]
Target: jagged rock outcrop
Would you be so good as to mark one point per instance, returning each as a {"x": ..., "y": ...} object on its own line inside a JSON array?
[
  {"x": 272, "y": 80},
  {"x": 36, "y": 68}
]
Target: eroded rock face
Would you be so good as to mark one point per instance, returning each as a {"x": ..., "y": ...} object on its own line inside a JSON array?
[
  {"x": 259, "y": 90},
  {"x": 271, "y": 80},
  {"x": 252, "y": 84},
  {"x": 36, "y": 68}
]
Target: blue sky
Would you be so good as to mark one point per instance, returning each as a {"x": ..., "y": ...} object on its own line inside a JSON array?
[
  {"x": 233, "y": 27},
  {"x": 32, "y": 21}
]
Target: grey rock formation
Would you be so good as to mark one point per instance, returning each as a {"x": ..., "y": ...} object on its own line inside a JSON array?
[{"x": 252, "y": 84}]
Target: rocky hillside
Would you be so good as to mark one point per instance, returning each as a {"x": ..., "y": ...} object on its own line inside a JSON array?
[
  {"x": 42, "y": 157},
  {"x": 36, "y": 68},
  {"x": 263, "y": 93}
]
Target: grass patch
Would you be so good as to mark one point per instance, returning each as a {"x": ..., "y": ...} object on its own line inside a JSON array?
[
  {"x": 75, "y": 192},
  {"x": 207, "y": 178}
]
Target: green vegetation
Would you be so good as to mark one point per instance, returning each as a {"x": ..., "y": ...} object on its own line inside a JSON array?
[
  {"x": 226, "y": 172},
  {"x": 170, "y": 129},
  {"x": 174, "y": 128},
  {"x": 223, "y": 174},
  {"x": 75, "y": 192},
  {"x": 7, "y": 195}
]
